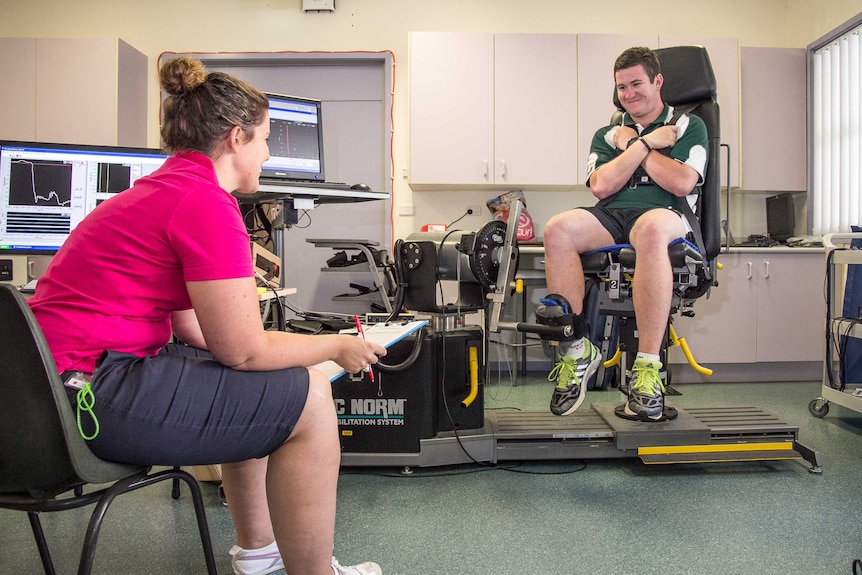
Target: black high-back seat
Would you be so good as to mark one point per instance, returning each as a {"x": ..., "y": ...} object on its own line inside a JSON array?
[{"x": 689, "y": 85}]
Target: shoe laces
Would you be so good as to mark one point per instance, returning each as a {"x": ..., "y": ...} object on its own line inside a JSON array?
[
  {"x": 564, "y": 371},
  {"x": 647, "y": 380}
]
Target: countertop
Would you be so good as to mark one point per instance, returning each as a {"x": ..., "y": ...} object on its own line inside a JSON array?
[{"x": 534, "y": 249}]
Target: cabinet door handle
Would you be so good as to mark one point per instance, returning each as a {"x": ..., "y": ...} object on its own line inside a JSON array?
[
  {"x": 766, "y": 269},
  {"x": 485, "y": 174},
  {"x": 750, "y": 269},
  {"x": 503, "y": 168}
]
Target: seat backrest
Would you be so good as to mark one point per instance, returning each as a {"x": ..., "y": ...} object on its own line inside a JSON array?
[
  {"x": 41, "y": 450},
  {"x": 690, "y": 81}
]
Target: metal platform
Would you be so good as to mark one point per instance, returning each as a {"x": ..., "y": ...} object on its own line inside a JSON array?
[{"x": 714, "y": 434}]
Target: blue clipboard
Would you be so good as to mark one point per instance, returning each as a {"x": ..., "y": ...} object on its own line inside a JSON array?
[{"x": 385, "y": 334}]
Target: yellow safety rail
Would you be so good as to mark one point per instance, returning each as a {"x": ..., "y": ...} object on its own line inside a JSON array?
[{"x": 680, "y": 342}]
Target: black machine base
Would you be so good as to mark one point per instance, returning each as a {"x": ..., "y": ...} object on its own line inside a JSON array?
[{"x": 696, "y": 435}]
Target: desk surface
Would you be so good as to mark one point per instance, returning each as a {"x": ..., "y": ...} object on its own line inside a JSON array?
[
  {"x": 320, "y": 194},
  {"x": 268, "y": 294}
]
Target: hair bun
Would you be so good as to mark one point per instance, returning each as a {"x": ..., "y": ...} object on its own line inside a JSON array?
[{"x": 181, "y": 75}]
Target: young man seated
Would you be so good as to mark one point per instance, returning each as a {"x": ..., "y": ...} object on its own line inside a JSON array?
[{"x": 639, "y": 170}]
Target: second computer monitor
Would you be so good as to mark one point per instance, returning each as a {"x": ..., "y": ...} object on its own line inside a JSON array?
[{"x": 295, "y": 140}]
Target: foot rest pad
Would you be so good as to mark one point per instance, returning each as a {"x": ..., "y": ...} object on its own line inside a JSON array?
[
  {"x": 682, "y": 430},
  {"x": 668, "y": 414}
]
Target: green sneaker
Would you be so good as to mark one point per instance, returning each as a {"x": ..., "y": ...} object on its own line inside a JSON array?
[
  {"x": 572, "y": 374},
  {"x": 646, "y": 391}
]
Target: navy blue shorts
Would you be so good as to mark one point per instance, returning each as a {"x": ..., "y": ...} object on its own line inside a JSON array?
[
  {"x": 619, "y": 222},
  {"x": 181, "y": 407}
]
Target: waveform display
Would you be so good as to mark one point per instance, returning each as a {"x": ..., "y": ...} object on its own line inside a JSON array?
[{"x": 40, "y": 183}]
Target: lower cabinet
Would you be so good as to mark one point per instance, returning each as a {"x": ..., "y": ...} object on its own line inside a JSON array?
[{"x": 768, "y": 307}]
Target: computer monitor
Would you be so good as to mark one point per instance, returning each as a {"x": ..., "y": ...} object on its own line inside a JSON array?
[
  {"x": 780, "y": 220},
  {"x": 47, "y": 189},
  {"x": 295, "y": 140}
]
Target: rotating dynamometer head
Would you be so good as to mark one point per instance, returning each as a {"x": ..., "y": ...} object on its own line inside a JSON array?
[{"x": 481, "y": 263}]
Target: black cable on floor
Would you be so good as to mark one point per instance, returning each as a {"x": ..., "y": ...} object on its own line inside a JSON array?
[{"x": 461, "y": 469}]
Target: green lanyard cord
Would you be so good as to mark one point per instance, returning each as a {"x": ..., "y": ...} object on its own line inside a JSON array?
[{"x": 86, "y": 401}]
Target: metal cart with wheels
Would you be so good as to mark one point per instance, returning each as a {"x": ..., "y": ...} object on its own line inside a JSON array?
[{"x": 835, "y": 389}]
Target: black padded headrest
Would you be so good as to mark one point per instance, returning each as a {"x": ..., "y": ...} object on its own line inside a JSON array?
[{"x": 688, "y": 76}]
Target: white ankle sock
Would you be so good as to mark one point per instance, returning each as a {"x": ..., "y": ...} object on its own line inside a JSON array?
[
  {"x": 648, "y": 356},
  {"x": 266, "y": 549},
  {"x": 576, "y": 348}
]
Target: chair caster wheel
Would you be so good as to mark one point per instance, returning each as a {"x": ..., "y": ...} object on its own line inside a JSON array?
[{"x": 818, "y": 407}]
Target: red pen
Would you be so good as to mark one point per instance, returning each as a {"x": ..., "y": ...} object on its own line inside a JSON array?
[{"x": 361, "y": 333}]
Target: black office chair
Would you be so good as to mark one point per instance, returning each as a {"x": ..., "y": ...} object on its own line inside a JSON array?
[
  {"x": 45, "y": 464},
  {"x": 689, "y": 85}
]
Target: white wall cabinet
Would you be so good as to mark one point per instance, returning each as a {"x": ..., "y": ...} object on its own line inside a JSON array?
[
  {"x": 73, "y": 90},
  {"x": 495, "y": 110},
  {"x": 451, "y": 108},
  {"x": 519, "y": 110},
  {"x": 768, "y": 307},
  {"x": 774, "y": 128},
  {"x": 535, "y": 114},
  {"x": 18, "y": 88}
]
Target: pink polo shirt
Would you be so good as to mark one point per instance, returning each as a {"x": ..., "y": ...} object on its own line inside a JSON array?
[{"x": 122, "y": 272}]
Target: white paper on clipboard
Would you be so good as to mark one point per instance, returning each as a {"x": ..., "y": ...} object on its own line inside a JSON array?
[{"x": 385, "y": 334}]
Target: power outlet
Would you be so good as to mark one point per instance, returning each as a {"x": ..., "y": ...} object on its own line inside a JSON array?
[
  {"x": 15, "y": 270},
  {"x": 474, "y": 210},
  {"x": 6, "y": 270}
]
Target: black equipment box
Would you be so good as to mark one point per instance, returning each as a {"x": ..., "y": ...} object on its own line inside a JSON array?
[{"x": 394, "y": 412}]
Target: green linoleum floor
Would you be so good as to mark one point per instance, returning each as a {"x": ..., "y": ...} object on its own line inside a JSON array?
[{"x": 613, "y": 516}]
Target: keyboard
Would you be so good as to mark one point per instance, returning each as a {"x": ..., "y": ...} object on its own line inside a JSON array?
[
  {"x": 756, "y": 244},
  {"x": 756, "y": 241}
]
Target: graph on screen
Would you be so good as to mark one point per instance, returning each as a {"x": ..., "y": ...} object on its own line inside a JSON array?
[{"x": 40, "y": 183}]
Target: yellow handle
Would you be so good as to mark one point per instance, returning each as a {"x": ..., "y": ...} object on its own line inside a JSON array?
[
  {"x": 519, "y": 286},
  {"x": 614, "y": 360},
  {"x": 680, "y": 342},
  {"x": 473, "y": 354}
]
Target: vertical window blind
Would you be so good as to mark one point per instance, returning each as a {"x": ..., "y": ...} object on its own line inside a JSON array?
[{"x": 836, "y": 155}]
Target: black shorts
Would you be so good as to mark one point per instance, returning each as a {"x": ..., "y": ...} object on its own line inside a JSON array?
[
  {"x": 181, "y": 407},
  {"x": 619, "y": 222}
]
